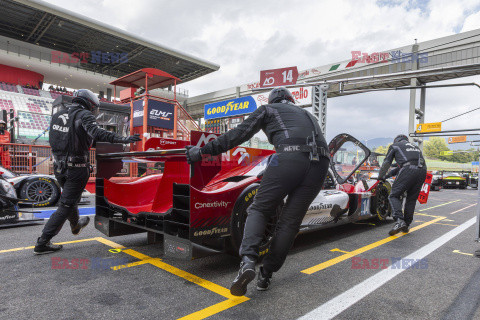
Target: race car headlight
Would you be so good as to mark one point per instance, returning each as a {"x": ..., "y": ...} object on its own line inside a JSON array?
[{"x": 9, "y": 189}]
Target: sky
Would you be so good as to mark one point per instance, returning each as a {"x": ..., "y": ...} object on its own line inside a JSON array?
[{"x": 244, "y": 37}]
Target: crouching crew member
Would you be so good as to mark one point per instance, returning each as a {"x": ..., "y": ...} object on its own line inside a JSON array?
[
  {"x": 72, "y": 133},
  {"x": 297, "y": 170},
  {"x": 411, "y": 173}
]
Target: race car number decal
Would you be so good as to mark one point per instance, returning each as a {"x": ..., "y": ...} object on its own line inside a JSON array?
[{"x": 365, "y": 209}]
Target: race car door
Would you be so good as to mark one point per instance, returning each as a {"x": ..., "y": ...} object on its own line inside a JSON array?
[{"x": 347, "y": 155}]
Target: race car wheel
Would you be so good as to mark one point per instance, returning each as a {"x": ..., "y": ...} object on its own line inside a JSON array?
[
  {"x": 44, "y": 191},
  {"x": 239, "y": 216},
  {"x": 380, "y": 205}
]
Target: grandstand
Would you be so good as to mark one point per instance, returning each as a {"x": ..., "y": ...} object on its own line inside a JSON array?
[
  {"x": 34, "y": 33},
  {"x": 33, "y": 112}
]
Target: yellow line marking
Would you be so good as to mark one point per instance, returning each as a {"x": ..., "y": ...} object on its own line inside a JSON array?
[
  {"x": 128, "y": 265},
  {"x": 464, "y": 208},
  {"x": 110, "y": 243},
  {"x": 201, "y": 314},
  {"x": 467, "y": 254},
  {"x": 443, "y": 204},
  {"x": 443, "y": 224},
  {"x": 371, "y": 246},
  {"x": 31, "y": 247},
  {"x": 338, "y": 250},
  {"x": 428, "y": 215},
  {"x": 216, "y": 308}
]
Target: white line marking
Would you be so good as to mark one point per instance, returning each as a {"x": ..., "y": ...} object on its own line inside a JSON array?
[
  {"x": 340, "y": 303},
  {"x": 464, "y": 208}
]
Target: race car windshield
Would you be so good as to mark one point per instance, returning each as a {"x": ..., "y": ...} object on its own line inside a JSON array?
[{"x": 347, "y": 158}]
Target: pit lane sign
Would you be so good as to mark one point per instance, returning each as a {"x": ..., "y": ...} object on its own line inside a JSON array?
[
  {"x": 458, "y": 139},
  {"x": 429, "y": 127},
  {"x": 278, "y": 77}
]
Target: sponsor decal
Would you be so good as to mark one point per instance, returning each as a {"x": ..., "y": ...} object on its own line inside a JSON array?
[
  {"x": 167, "y": 142},
  {"x": 210, "y": 232},
  {"x": 216, "y": 204},
  {"x": 320, "y": 206},
  {"x": 64, "y": 118},
  {"x": 59, "y": 128},
  {"x": 245, "y": 105},
  {"x": 230, "y": 108},
  {"x": 7, "y": 217}
]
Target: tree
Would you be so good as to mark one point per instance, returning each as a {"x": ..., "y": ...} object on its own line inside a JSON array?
[
  {"x": 382, "y": 149},
  {"x": 434, "y": 146}
]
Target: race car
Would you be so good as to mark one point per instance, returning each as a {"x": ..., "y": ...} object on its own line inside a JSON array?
[
  {"x": 201, "y": 210},
  {"x": 454, "y": 180},
  {"x": 10, "y": 214},
  {"x": 437, "y": 181},
  {"x": 42, "y": 190}
]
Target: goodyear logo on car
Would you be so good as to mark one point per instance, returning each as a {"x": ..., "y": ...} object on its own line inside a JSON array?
[{"x": 230, "y": 108}]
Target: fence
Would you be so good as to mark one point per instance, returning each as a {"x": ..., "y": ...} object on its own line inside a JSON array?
[{"x": 26, "y": 159}]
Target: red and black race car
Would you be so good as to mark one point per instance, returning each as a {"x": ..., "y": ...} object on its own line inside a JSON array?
[{"x": 201, "y": 209}]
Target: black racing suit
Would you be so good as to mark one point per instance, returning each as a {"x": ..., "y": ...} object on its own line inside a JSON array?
[
  {"x": 72, "y": 168},
  {"x": 290, "y": 174},
  {"x": 411, "y": 173}
]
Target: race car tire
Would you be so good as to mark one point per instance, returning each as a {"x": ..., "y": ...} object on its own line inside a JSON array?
[
  {"x": 380, "y": 206},
  {"x": 239, "y": 216},
  {"x": 43, "y": 190}
]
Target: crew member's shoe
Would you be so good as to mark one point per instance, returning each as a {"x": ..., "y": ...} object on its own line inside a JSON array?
[
  {"x": 245, "y": 275},
  {"x": 400, "y": 225},
  {"x": 44, "y": 247},
  {"x": 82, "y": 223},
  {"x": 263, "y": 280},
  {"x": 405, "y": 229}
]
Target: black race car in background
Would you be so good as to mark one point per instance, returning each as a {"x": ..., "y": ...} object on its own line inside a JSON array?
[
  {"x": 43, "y": 190},
  {"x": 437, "y": 181}
]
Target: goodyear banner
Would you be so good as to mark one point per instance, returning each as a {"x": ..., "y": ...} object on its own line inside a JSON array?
[
  {"x": 245, "y": 105},
  {"x": 228, "y": 108}
]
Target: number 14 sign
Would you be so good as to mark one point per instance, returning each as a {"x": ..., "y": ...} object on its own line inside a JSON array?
[{"x": 278, "y": 77}]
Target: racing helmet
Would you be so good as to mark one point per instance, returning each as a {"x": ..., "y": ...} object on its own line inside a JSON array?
[
  {"x": 279, "y": 94},
  {"x": 86, "y": 98},
  {"x": 3, "y": 125},
  {"x": 399, "y": 138}
]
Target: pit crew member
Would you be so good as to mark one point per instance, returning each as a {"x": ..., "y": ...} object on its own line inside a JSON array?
[
  {"x": 411, "y": 173},
  {"x": 297, "y": 170},
  {"x": 72, "y": 133}
]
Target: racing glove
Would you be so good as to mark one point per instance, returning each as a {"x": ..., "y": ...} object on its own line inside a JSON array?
[
  {"x": 131, "y": 139},
  {"x": 193, "y": 154}
]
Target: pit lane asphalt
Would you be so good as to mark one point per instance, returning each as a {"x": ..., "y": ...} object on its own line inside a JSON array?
[{"x": 30, "y": 288}]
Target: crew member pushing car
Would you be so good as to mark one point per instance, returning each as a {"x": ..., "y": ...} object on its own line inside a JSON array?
[
  {"x": 411, "y": 172},
  {"x": 297, "y": 170},
  {"x": 72, "y": 133}
]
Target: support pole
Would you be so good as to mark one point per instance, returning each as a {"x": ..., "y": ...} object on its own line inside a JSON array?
[
  {"x": 423, "y": 92},
  {"x": 413, "y": 92},
  {"x": 477, "y": 225},
  {"x": 319, "y": 105}
]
